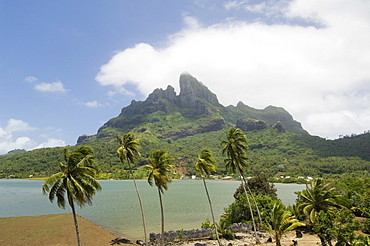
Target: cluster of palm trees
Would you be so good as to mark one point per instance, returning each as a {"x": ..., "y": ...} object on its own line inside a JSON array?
[{"x": 77, "y": 178}]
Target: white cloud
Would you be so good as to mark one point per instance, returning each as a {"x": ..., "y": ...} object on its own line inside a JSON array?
[
  {"x": 93, "y": 104},
  {"x": 8, "y": 140},
  {"x": 319, "y": 74},
  {"x": 52, "y": 142},
  {"x": 30, "y": 79},
  {"x": 56, "y": 86},
  {"x": 18, "y": 126}
]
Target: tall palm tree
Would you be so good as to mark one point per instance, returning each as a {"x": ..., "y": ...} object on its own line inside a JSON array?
[
  {"x": 318, "y": 196},
  {"x": 280, "y": 221},
  {"x": 159, "y": 169},
  {"x": 76, "y": 180},
  {"x": 205, "y": 165},
  {"x": 235, "y": 147},
  {"x": 128, "y": 152}
]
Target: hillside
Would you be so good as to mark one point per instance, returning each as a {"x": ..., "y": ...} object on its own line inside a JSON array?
[{"x": 194, "y": 119}]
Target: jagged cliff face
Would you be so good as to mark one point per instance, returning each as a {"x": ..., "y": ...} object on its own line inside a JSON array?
[
  {"x": 193, "y": 95},
  {"x": 192, "y": 91},
  {"x": 196, "y": 110}
]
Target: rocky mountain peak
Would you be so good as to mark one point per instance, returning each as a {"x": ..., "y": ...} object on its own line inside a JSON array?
[{"x": 191, "y": 90}]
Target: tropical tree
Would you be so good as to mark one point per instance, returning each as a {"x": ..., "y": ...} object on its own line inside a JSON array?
[
  {"x": 318, "y": 196},
  {"x": 280, "y": 221},
  {"x": 76, "y": 180},
  {"x": 159, "y": 169},
  {"x": 235, "y": 147},
  {"x": 128, "y": 152},
  {"x": 205, "y": 165}
]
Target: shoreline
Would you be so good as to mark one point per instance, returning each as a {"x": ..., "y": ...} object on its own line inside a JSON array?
[{"x": 58, "y": 229}]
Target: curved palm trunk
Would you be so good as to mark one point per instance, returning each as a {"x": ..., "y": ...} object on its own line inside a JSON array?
[
  {"x": 213, "y": 216},
  {"x": 254, "y": 201},
  {"x": 70, "y": 201},
  {"x": 162, "y": 216},
  {"x": 277, "y": 241},
  {"x": 141, "y": 205},
  {"x": 250, "y": 209}
]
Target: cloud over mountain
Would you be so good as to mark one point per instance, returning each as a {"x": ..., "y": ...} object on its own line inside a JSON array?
[{"x": 313, "y": 61}]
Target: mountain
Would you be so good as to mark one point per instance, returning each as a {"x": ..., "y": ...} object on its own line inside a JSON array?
[
  {"x": 195, "y": 110},
  {"x": 185, "y": 123}
]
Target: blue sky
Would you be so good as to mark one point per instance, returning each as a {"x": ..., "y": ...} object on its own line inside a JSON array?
[{"x": 67, "y": 67}]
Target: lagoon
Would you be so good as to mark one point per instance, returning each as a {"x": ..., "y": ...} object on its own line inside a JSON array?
[{"x": 116, "y": 207}]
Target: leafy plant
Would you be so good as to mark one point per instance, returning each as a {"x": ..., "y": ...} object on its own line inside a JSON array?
[
  {"x": 224, "y": 229},
  {"x": 339, "y": 227},
  {"x": 279, "y": 221}
]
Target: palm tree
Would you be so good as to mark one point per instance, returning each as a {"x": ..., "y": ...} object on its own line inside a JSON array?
[
  {"x": 205, "y": 165},
  {"x": 159, "y": 169},
  {"x": 76, "y": 180},
  {"x": 280, "y": 221},
  {"x": 318, "y": 196},
  {"x": 128, "y": 152},
  {"x": 235, "y": 147}
]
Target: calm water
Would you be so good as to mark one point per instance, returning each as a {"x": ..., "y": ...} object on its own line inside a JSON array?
[{"x": 116, "y": 207}]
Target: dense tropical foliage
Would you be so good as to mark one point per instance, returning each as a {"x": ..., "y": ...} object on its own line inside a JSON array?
[{"x": 270, "y": 152}]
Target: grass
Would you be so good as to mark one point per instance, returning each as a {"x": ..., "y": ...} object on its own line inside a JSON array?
[{"x": 56, "y": 229}]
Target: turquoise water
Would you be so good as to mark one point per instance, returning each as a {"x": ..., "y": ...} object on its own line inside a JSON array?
[{"x": 116, "y": 207}]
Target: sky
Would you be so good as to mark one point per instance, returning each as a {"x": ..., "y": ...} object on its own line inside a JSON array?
[{"x": 67, "y": 67}]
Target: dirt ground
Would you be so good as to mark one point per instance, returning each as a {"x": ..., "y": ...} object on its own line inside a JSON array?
[{"x": 56, "y": 229}]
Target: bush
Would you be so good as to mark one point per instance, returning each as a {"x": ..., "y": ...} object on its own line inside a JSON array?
[{"x": 366, "y": 226}]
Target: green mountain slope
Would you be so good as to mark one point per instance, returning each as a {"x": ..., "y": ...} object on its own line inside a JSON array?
[{"x": 184, "y": 124}]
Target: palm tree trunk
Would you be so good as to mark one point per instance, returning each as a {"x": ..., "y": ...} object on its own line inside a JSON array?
[
  {"x": 254, "y": 201},
  {"x": 70, "y": 200},
  {"x": 141, "y": 205},
  {"x": 213, "y": 216},
  {"x": 162, "y": 216},
  {"x": 277, "y": 242},
  {"x": 250, "y": 209}
]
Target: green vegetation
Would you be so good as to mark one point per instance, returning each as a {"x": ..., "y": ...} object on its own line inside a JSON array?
[
  {"x": 327, "y": 208},
  {"x": 193, "y": 120},
  {"x": 279, "y": 221},
  {"x": 235, "y": 148},
  {"x": 318, "y": 196},
  {"x": 275, "y": 154},
  {"x": 76, "y": 180}
]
